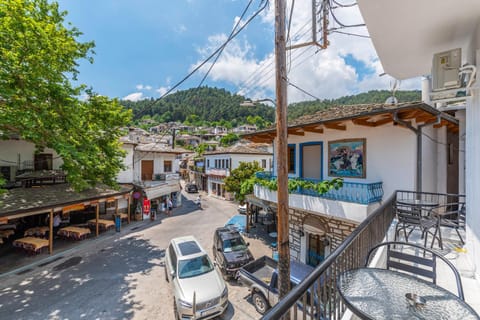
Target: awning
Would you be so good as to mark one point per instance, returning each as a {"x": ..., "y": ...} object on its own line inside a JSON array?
[
  {"x": 163, "y": 190},
  {"x": 265, "y": 205}
]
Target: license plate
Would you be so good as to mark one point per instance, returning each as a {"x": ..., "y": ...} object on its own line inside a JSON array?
[{"x": 207, "y": 312}]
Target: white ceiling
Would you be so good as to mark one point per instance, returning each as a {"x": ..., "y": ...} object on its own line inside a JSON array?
[{"x": 406, "y": 33}]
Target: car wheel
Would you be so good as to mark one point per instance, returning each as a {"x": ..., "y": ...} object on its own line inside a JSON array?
[{"x": 261, "y": 304}]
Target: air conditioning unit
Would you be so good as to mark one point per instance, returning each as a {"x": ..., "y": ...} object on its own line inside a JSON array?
[{"x": 445, "y": 70}]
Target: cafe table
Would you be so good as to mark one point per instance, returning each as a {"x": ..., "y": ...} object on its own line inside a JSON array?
[
  {"x": 102, "y": 223},
  {"x": 372, "y": 293}
]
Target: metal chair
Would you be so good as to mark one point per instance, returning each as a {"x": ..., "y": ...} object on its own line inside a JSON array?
[
  {"x": 401, "y": 257},
  {"x": 451, "y": 215},
  {"x": 409, "y": 219}
]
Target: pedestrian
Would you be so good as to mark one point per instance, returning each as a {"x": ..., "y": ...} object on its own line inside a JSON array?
[
  {"x": 199, "y": 201},
  {"x": 169, "y": 206}
]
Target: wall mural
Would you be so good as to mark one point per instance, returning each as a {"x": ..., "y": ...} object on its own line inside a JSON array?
[{"x": 347, "y": 158}]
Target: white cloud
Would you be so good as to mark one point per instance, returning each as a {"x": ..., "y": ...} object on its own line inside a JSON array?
[
  {"x": 162, "y": 90},
  {"x": 324, "y": 74},
  {"x": 143, "y": 87},
  {"x": 136, "y": 96},
  {"x": 180, "y": 28}
]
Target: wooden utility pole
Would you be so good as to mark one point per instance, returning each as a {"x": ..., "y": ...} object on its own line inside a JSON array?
[{"x": 282, "y": 149}]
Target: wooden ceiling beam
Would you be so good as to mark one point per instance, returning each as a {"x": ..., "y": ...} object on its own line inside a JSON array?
[
  {"x": 296, "y": 131},
  {"x": 364, "y": 122},
  {"x": 335, "y": 126},
  {"x": 316, "y": 129}
]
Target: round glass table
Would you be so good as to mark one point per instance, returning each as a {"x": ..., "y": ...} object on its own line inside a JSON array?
[{"x": 373, "y": 293}]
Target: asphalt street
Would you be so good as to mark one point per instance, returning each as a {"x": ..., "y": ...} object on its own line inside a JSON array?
[{"x": 121, "y": 276}]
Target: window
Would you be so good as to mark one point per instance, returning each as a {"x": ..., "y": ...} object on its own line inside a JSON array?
[
  {"x": 223, "y": 163},
  {"x": 173, "y": 258},
  {"x": 208, "y": 163},
  {"x": 43, "y": 161},
  {"x": 291, "y": 159},
  {"x": 264, "y": 163},
  {"x": 167, "y": 166},
  {"x": 194, "y": 267}
]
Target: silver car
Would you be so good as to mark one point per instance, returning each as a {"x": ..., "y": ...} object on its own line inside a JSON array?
[{"x": 197, "y": 285}]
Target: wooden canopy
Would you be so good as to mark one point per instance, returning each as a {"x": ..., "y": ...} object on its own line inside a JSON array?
[{"x": 370, "y": 115}]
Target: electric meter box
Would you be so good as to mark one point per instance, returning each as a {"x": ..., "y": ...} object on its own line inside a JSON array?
[{"x": 445, "y": 70}]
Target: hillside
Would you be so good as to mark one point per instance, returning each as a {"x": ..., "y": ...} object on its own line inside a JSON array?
[{"x": 213, "y": 105}]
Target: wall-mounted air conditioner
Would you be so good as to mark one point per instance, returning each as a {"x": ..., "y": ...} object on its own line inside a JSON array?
[{"x": 445, "y": 70}]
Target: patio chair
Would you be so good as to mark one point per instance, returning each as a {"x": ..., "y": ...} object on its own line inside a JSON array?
[
  {"x": 415, "y": 260},
  {"x": 451, "y": 215},
  {"x": 409, "y": 219}
]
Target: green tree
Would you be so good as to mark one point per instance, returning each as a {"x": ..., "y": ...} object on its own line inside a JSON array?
[
  {"x": 39, "y": 56},
  {"x": 243, "y": 174}
]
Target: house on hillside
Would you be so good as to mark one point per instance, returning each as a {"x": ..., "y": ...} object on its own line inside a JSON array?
[
  {"x": 375, "y": 148},
  {"x": 218, "y": 165},
  {"x": 245, "y": 128},
  {"x": 446, "y": 46}
]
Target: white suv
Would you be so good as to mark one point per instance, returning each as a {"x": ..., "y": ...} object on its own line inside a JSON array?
[{"x": 196, "y": 283}]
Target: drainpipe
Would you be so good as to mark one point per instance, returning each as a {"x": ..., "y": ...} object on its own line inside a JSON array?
[{"x": 418, "y": 132}]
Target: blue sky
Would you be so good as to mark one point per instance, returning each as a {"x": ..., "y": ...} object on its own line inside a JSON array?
[{"x": 145, "y": 47}]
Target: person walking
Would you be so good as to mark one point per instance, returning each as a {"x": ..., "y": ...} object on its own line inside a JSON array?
[
  {"x": 199, "y": 201},
  {"x": 169, "y": 206}
]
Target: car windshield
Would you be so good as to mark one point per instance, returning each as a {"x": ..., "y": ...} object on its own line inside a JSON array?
[
  {"x": 194, "y": 267},
  {"x": 234, "y": 244}
]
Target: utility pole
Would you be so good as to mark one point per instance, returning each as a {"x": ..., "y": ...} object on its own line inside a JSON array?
[{"x": 282, "y": 150}]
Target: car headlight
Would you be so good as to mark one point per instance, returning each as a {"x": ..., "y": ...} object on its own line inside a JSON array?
[
  {"x": 184, "y": 304},
  {"x": 225, "y": 293}
]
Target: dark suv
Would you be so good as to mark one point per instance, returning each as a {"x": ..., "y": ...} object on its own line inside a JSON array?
[
  {"x": 230, "y": 251},
  {"x": 191, "y": 188}
]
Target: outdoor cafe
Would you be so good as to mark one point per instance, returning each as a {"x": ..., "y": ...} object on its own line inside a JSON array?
[{"x": 31, "y": 218}]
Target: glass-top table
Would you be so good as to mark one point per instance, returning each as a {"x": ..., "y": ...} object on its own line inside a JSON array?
[{"x": 373, "y": 293}]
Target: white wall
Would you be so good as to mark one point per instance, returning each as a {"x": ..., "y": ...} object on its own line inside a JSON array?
[
  {"x": 237, "y": 158},
  {"x": 126, "y": 175},
  {"x": 473, "y": 175},
  {"x": 14, "y": 152},
  {"x": 391, "y": 154},
  {"x": 158, "y": 161}
]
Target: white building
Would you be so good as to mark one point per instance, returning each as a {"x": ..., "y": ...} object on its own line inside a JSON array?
[
  {"x": 406, "y": 43},
  {"x": 374, "y": 149},
  {"x": 218, "y": 165}
]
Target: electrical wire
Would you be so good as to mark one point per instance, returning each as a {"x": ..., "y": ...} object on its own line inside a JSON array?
[
  {"x": 302, "y": 90},
  {"x": 229, "y": 37},
  {"x": 350, "y": 34},
  {"x": 345, "y": 5},
  {"x": 206, "y": 60}
]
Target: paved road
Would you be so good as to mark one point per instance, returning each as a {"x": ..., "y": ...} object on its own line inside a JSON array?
[{"x": 121, "y": 277}]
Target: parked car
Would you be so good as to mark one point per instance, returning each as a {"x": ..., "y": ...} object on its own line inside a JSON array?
[
  {"x": 191, "y": 188},
  {"x": 230, "y": 251},
  {"x": 261, "y": 277},
  {"x": 242, "y": 208},
  {"x": 194, "y": 280}
]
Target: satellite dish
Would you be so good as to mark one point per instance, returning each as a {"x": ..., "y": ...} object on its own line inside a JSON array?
[
  {"x": 391, "y": 100},
  {"x": 393, "y": 88}
]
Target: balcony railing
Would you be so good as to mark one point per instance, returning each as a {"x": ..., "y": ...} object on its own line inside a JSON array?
[
  {"x": 356, "y": 192},
  {"x": 322, "y": 282}
]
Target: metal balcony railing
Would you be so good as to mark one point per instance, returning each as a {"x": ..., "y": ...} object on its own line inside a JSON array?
[
  {"x": 322, "y": 282},
  {"x": 356, "y": 192}
]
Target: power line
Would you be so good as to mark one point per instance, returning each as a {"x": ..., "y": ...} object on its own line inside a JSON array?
[
  {"x": 350, "y": 34},
  {"x": 302, "y": 90},
  {"x": 206, "y": 60},
  {"x": 229, "y": 37}
]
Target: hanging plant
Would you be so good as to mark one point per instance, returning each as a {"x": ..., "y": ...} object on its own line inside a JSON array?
[{"x": 295, "y": 184}]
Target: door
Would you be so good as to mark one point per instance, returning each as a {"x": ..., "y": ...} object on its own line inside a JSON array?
[
  {"x": 42, "y": 161},
  {"x": 452, "y": 162},
  {"x": 316, "y": 250},
  {"x": 147, "y": 170},
  {"x": 311, "y": 160}
]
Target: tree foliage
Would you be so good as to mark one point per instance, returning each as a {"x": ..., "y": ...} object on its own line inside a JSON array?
[
  {"x": 229, "y": 139},
  {"x": 243, "y": 174},
  {"x": 39, "y": 57}
]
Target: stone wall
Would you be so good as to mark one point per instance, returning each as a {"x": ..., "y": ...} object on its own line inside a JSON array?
[{"x": 335, "y": 229}]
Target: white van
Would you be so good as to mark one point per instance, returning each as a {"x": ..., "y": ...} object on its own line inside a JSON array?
[{"x": 197, "y": 285}]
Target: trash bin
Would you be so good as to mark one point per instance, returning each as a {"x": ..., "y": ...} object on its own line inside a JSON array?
[{"x": 118, "y": 222}]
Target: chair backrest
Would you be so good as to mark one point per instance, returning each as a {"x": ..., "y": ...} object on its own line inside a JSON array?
[
  {"x": 452, "y": 212},
  {"x": 406, "y": 214},
  {"x": 415, "y": 260}
]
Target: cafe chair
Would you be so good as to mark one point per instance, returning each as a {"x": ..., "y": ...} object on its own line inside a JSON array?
[
  {"x": 408, "y": 220},
  {"x": 400, "y": 256},
  {"x": 451, "y": 215}
]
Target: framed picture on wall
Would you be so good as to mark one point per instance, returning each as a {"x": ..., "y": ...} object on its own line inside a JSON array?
[{"x": 347, "y": 158}]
